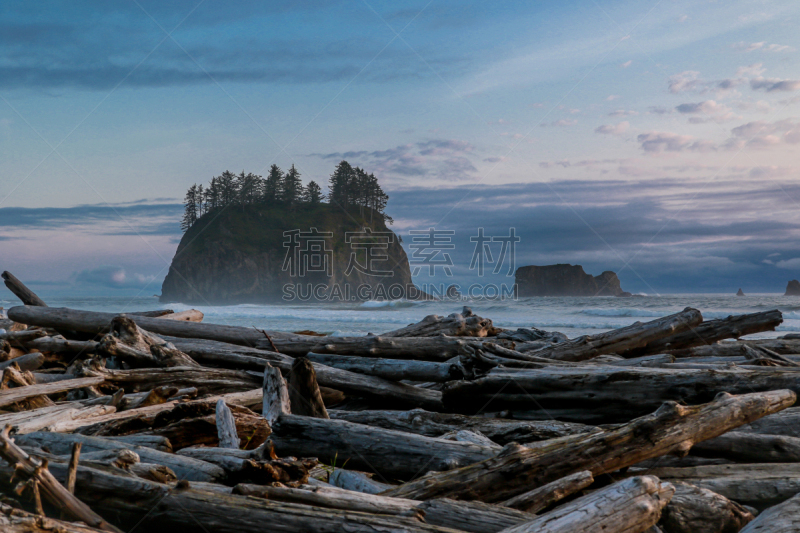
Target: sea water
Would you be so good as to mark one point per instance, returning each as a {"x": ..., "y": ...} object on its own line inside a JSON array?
[{"x": 572, "y": 316}]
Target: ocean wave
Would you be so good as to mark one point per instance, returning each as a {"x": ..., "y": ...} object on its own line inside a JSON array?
[
  {"x": 391, "y": 304},
  {"x": 623, "y": 312}
]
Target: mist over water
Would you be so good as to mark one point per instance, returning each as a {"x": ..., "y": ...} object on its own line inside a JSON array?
[{"x": 572, "y": 316}]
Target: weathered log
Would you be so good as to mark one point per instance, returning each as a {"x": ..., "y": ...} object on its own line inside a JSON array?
[
  {"x": 694, "y": 509},
  {"x": 62, "y": 318},
  {"x": 464, "y": 324},
  {"x": 152, "y": 314},
  {"x": 499, "y": 430},
  {"x": 63, "y": 417},
  {"x": 464, "y": 435},
  {"x": 390, "y": 453},
  {"x": 190, "y": 315},
  {"x": 22, "y": 292},
  {"x": 226, "y": 427},
  {"x": 787, "y": 423},
  {"x": 621, "y": 340},
  {"x": 616, "y": 393},
  {"x": 304, "y": 396},
  {"x": 31, "y": 469},
  {"x": 128, "y": 341},
  {"x": 185, "y": 467},
  {"x": 477, "y": 517},
  {"x": 711, "y": 331},
  {"x": 11, "y": 396},
  {"x": 29, "y": 362},
  {"x": 155, "y": 396},
  {"x": 20, "y": 338},
  {"x": 14, "y": 520},
  {"x": 356, "y": 481},
  {"x": 73, "y": 466},
  {"x": 757, "y": 485},
  {"x": 258, "y": 467},
  {"x": 751, "y": 448},
  {"x": 673, "y": 429},
  {"x": 420, "y": 348},
  {"x": 783, "y": 518},
  {"x": 275, "y": 396},
  {"x": 392, "y": 369},
  {"x": 351, "y": 383},
  {"x": 630, "y": 506},
  {"x": 543, "y": 497},
  {"x": 58, "y": 344}
]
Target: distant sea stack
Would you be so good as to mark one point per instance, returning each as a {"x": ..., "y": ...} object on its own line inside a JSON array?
[
  {"x": 740, "y": 293},
  {"x": 237, "y": 255},
  {"x": 566, "y": 280},
  {"x": 793, "y": 288}
]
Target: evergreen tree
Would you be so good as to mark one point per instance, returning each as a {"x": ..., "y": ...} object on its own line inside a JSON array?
[
  {"x": 228, "y": 190},
  {"x": 201, "y": 201},
  {"x": 249, "y": 187},
  {"x": 272, "y": 185},
  {"x": 313, "y": 194},
  {"x": 340, "y": 184},
  {"x": 292, "y": 187},
  {"x": 190, "y": 208}
]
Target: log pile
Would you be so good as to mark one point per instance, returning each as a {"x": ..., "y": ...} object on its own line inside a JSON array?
[{"x": 166, "y": 422}]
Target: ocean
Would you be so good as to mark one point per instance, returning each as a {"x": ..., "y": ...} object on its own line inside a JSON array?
[{"x": 571, "y": 316}]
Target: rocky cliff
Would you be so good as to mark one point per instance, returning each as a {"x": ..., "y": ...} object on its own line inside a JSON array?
[
  {"x": 241, "y": 255},
  {"x": 565, "y": 280},
  {"x": 793, "y": 288}
]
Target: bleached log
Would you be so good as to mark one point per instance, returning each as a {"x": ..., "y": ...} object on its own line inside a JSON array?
[
  {"x": 131, "y": 343},
  {"x": 543, "y": 497},
  {"x": 304, "y": 395},
  {"x": 11, "y": 396},
  {"x": 463, "y": 435},
  {"x": 390, "y": 453},
  {"x": 787, "y": 423},
  {"x": 13, "y": 520},
  {"x": 226, "y": 427},
  {"x": 783, "y": 518},
  {"x": 419, "y": 348},
  {"x": 29, "y": 362},
  {"x": 190, "y": 315},
  {"x": 275, "y": 396},
  {"x": 622, "y": 340},
  {"x": 392, "y": 369},
  {"x": 356, "y": 481},
  {"x": 694, "y": 509},
  {"x": 499, "y": 430},
  {"x": 673, "y": 429},
  {"x": 205, "y": 380},
  {"x": 476, "y": 517}
]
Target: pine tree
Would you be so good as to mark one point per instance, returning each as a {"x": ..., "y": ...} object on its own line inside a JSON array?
[
  {"x": 272, "y": 185},
  {"x": 313, "y": 194},
  {"x": 292, "y": 187},
  {"x": 340, "y": 184},
  {"x": 228, "y": 190},
  {"x": 190, "y": 208},
  {"x": 201, "y": 201}
]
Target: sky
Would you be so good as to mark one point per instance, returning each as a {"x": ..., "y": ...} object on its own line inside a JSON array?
[{"x": 657, "y": 139}]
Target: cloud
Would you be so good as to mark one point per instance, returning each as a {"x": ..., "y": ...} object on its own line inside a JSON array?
[
  {"x": 764, "y": 134},
  {"x": 762, "y": 46},
  {"x": 627, "y": 63},
  {"x": 774, "y": 84},
  {"x": 769, "y": 172},
  {"x": 791, "y": 264},
  {"x": 113, "y": 277},
  {"x": 714, "y": 112},
  {"x": 613, "y": 129},
  {"x": 143, "y": 217},
  {"x": 612, "y": 97},
  {"x": 623, "y": 113},
  {"x": 564, "y": 122},
  {"x": 685, "y": 81},
  {"x": 656, "y": 142}
]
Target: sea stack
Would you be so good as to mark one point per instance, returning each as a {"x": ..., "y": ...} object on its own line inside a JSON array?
[
  {"x": 565, "y": 280},
  {"x": 740, "y": 293},
  {"x": 793, "y": 288}
]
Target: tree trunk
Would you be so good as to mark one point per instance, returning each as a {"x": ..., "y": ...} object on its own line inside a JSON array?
[
  {"x": 543, "y": 497},
  {"x": 22, "y": 292},
  {"x": 389, "y": 453},
  {"x": 673, "y": 429},
  {"x": 693, "y": 509},
  {"x": 621, "y": 340},
  {"x": 304, "y": 396},
  {"x": 499, "y": 430},
  {"x": 630, "y": 506}
]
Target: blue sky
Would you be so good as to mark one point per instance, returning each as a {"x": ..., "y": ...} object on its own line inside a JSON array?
[{"x": 655, "y": 138}]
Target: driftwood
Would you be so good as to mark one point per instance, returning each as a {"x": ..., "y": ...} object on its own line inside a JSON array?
[
  {"x": 22, "y": 292},
  {"x": 673, "y": 429},
  {"x": 751, "y": 448},
  {"x": 543, "y": 497},
  {"x": 635, "y": 391},
  {"x": 14, "y": 520},
  {"x": 464, "y": 324},
  {"x": 783, "y": 518},
  {"x": 356, "y": 481},
  {"x": 190, "y": 315},
  {"x": 757, "y": 485},
  {"x": 226, "y": 426},
  {"x": 477, "y": 517},
  {"x": 390, "y": 453},
  {"x": 711, "y": 331},
  {"x": 632, "y": 506},
  {"x": 420, "y": 348},
  {"x": 499, "y": 430},
  {"x": 29, "y": 361},
  {"x": 11, "y": 396},
  {"x": 621, "y": 340},
  {"x": 39, "y": 476},
  {"x": 275, "y": 396},
  {"x": 392, "y": 369},
  {"x": 131, "y": 343},
  {"x": 304, "y": 396},
  {"x": 694, "y": 509}
]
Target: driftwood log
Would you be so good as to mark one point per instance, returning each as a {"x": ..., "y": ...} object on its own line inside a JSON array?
[
  {"x": 22, "y": 292},
  {"x": 673, "y": 429},
  {"x": 463, "y": 324},
  {"x": 304, "y": 395},
  {"x": 783, "y": 518},
  {"x": 543, "y": 497},
  {"x": 693, "y": 509}
]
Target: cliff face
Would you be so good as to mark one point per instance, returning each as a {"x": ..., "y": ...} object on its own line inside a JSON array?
[
  {"x": 240, "y": 255},
  {"x": 793, "y": 288},
  {"x": 565, "y": 280}
]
